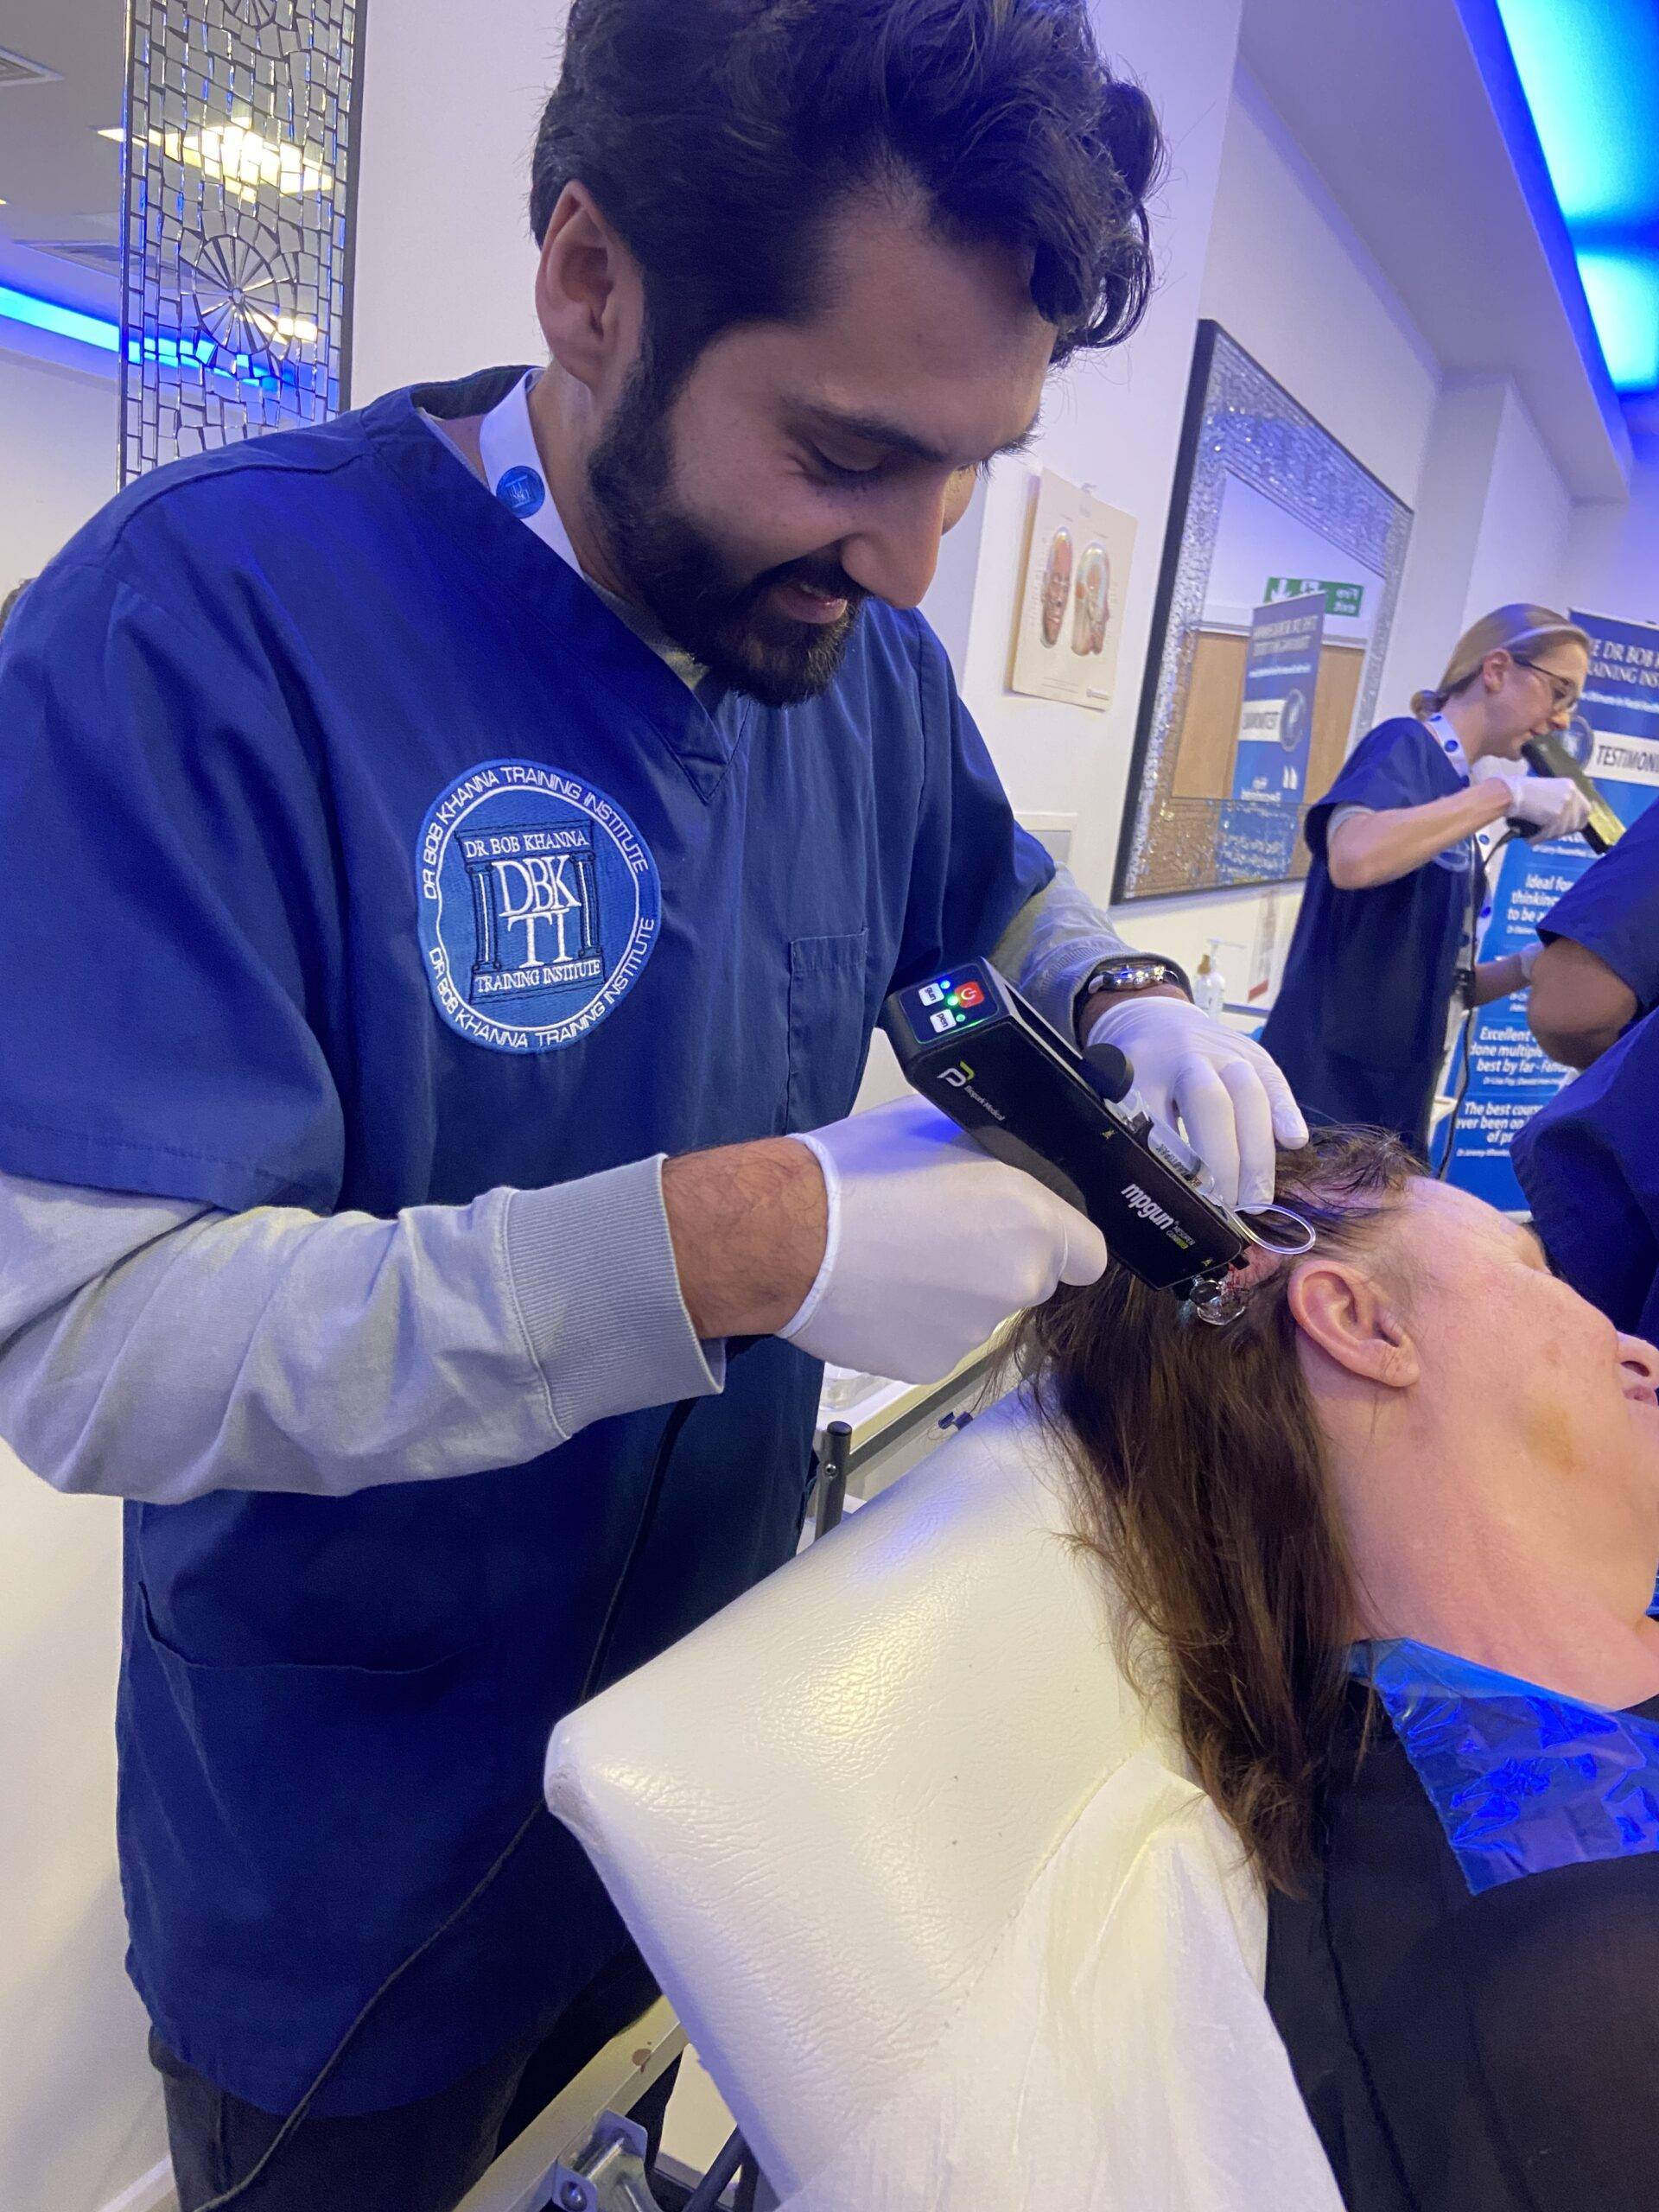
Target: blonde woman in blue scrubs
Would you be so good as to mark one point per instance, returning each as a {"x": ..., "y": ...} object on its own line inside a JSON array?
[{"x": 1381, "y": 967}]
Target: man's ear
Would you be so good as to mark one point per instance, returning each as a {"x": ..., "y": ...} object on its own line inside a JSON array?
[
  {"x": 589, "y": 296},
  {"x": 1343, "y": 1311}
]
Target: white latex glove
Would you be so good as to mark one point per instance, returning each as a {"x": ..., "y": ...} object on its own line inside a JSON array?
[
  {"x": 932, "y": 1245},
  {"x": 1553, "y": 804},
  {"x": 1231, "y": 1101}
]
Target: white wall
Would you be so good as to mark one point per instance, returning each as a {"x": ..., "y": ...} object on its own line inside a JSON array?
[
  {"x": 57, "y": 458},
  {"x": 80, "y": 2109},
  {"x": 1290, "y": 279},
  {"x": 1494, "y": 524},
  {"x": 80, "y": 2113},
  {"x": 445, "y": 261},
  {"x": 1446, "y": 537},
  {"x": 1612, "y": 565},
  {"x": 1526, "y": 522}
]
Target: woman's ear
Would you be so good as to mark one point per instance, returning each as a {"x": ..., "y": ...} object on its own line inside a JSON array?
[
  {"x": 589, "y": 297},
  {"x": 1494, "y": 668},
  {"x": 1343, "y": 1311}
]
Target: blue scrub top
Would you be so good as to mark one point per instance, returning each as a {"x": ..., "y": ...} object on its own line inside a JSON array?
[
  {"x": 1613, "y": 911},
  {"x": 1590, "y": 1170},
  {"x": 1360, "y": 1021},
  {"x": 269, "y": 723}
]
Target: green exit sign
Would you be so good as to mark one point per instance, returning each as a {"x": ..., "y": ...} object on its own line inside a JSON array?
[{"x": 1346, "y": 600}]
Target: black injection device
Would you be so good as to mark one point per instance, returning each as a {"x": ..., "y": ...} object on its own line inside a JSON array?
[
  {"x": 968, "y": 1042},
  {"x": 1549, "y": 756}
]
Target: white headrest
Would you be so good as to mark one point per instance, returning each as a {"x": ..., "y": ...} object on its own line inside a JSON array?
[{"x": 825, "y": 1814}]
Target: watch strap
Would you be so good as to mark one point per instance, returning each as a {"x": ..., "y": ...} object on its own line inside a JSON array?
[{"x": 1133, "y": 971}]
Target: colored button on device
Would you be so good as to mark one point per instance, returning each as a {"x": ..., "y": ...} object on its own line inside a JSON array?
[{"x": 970, "y": 995}]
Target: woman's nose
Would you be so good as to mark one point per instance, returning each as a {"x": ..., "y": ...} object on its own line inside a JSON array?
[{"x": 1637, "y": 1355}]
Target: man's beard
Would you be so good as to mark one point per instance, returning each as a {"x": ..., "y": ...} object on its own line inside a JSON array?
[{"x": 684, "y": 578}]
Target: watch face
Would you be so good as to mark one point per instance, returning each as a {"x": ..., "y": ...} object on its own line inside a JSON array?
[{"x": 1134, "y": 976}]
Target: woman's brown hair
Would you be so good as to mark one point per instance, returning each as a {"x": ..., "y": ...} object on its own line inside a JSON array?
[{"x": 1200, "y": 1481}]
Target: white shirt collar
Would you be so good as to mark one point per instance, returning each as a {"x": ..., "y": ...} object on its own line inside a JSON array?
[{"x": 512, "y": 470}]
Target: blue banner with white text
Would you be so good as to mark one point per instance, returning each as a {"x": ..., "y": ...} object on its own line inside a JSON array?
[{"x": 1616, "y": 738}]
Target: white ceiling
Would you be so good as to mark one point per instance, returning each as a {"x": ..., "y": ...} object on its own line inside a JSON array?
[
  {"x": 1388, "y": 102},
  {"x": 58, "y": 178}
]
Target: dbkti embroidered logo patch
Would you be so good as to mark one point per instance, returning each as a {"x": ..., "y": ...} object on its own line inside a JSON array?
[{"x": 540, "y": 905}]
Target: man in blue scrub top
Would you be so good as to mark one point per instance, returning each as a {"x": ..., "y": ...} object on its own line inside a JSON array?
[
  {"x": 1590, "y": 1169},
  {"x": 445, "y": 859},
  {"x": 1588, "y": 1160},
  {"x": 1599, "y": 968}
]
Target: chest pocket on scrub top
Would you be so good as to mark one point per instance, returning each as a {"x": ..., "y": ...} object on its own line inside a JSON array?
[{"x": 828, "y": 1034}]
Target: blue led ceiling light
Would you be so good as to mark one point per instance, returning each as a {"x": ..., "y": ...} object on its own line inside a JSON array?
[
  {"x": 1589, "y": 72},
  {"x": 1622, "y": 289},
  {"x": 62, "y": 322},
  {"x": 27, "y": 308}
]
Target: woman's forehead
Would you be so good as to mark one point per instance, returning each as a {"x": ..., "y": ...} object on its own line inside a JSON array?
[{"x": 1438, "y": 1214}]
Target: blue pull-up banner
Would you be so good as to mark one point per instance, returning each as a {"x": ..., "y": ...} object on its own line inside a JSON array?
[{"x": 1615, "y": 737}]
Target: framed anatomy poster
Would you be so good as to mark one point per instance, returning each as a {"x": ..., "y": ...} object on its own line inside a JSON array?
[{"x": 1070, "y": 607}]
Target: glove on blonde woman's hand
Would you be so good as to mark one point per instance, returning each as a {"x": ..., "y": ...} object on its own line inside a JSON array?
[{"x": 1553, "y": 804}]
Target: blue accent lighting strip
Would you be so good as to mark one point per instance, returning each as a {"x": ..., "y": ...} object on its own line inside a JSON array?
[
  {"x": 1589, "y": 72},
  {"x": 1622, "y": 289},
  {"x": 63, "y": 322},
  {"x": 96, "y": 330}
]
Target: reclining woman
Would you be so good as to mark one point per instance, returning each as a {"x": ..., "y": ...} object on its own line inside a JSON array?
[{"x": 1391, "y": 1532}]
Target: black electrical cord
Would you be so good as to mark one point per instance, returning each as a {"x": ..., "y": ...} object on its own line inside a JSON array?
[
  {"x": 1452, "y": 1118},
  {"x": 289, "y": 2128}
]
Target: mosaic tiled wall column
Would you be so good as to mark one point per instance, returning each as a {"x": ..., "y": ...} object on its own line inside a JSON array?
[{"x": 239, "y": 170}]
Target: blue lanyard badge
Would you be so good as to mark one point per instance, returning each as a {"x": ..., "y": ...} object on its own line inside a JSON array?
[{"x": 1522, "y": 1780}]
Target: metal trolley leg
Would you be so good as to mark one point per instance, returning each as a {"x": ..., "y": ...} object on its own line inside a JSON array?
[
  {"x": 615, "y": 2078},
  {"x": 609, "y": 2175},
  {"x": 567, "y": 2161}
]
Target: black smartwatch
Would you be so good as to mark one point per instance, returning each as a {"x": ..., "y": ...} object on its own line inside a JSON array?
[{"x": 1133, "y": 971}]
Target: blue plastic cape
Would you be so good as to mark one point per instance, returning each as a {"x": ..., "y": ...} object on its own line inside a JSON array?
[{"x": 1522, "y": 1780}]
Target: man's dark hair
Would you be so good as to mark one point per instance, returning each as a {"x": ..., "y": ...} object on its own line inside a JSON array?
[{"x": 718, "y": 135}]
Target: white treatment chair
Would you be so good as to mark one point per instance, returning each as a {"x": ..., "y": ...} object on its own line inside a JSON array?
[{"x": 926, "y": 1885}]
